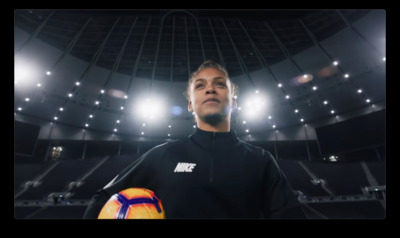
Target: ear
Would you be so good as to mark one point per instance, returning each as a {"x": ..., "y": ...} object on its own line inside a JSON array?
[
  {"x": 190, "y": 108},
  {"x": 234, "y": 103}
]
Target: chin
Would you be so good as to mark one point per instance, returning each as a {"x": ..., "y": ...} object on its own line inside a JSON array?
[
  {"x": 213, "y": 118},
  {"x": 212, "y": 113}
]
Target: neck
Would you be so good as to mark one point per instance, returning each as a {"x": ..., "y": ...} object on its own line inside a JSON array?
[{"x": 224, "y": 126}]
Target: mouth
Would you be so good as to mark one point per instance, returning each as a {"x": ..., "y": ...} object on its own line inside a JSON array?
[{"x": 211, "y": 100}]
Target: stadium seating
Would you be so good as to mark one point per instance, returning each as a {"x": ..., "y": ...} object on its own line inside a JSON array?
[{"x": 63, "y": 188}]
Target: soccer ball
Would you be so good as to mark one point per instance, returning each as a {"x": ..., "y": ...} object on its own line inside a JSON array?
[{"x": 133, "y": 203}]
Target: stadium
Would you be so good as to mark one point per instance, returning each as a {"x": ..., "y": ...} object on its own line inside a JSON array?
[{"x": 96, "y": 89}]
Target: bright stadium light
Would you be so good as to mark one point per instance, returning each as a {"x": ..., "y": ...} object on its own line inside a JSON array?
[
  {"x": 254, "y": 106},
  {"x": 151, "y": 109},
  {"x": 25, "y": 73}
]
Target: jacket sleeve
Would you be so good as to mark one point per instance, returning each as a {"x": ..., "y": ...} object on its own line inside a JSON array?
[
  {"x": 132, "y": 176},
  {"x": 96, "y": 204},
  {"x": 279, "y": 198}
]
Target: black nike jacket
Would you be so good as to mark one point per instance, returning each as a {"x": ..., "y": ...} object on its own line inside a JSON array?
[{"x": 208, "y": 175}]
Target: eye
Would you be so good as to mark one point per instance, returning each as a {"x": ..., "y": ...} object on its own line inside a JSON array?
[
  {"x": 197, "y": 86},
  {"x": 220, "y": 84}
]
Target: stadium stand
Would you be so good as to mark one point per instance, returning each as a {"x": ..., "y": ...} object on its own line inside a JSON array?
[{"x": 327, "y": 190}]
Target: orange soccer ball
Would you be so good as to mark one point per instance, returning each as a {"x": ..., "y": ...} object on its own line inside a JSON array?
[{"x": 133, "y": 203}]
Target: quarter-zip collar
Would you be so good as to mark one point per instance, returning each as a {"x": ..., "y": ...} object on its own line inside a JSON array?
[
  {"x": 219, "y": 139},
  {"x": 217, "y": 145}
]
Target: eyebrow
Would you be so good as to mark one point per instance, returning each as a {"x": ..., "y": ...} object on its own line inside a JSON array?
[{"x": 214, "y": 79}]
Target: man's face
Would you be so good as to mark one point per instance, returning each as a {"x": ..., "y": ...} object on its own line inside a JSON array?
[{"x": 210, "y": 94}]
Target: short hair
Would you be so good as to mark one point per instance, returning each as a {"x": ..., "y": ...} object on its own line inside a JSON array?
[{"x": 209, "y": 64}]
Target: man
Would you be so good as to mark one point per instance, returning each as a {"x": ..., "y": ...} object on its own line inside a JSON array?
[{"x": 212, "y": 173}]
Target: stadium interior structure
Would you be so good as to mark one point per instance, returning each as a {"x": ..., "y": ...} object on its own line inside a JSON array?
[{"x": 95, "y": 89}]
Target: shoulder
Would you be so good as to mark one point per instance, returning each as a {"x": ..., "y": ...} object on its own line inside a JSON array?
[
  {"x": 256, "y": 150},
  {"x": 161, "y": 149}
]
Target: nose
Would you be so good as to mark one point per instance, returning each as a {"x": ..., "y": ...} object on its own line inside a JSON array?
[{"x": 210, "y": 89}]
